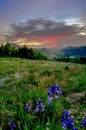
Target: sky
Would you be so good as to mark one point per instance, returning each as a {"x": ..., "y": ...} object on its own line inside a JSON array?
[{"x": 43, "y": 23}]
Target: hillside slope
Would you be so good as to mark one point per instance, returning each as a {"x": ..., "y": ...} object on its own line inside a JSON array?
[{"x": 23, "y": 82}]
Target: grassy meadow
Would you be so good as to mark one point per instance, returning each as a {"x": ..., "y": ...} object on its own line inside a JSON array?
[{"x": 24, "y": 81}]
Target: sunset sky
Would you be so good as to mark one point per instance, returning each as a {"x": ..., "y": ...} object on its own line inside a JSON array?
[{"x": 43, "y": 23}]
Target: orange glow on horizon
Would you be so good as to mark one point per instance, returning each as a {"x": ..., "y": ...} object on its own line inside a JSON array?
[{"x": 42, "y": 41}]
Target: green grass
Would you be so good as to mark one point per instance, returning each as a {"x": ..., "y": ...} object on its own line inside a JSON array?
[{"x": 23, "y": 80}]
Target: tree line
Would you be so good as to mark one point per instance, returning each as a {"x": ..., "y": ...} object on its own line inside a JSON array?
[
  {"x": 22, "y": 52},
  {"x": 81, "y": 60}
]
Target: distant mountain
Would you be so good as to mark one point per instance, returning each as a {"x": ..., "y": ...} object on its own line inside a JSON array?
[
  {"x": 51, "y": 52},
  {"x": 74, "y": 51},
  {"x": 70, "y": 51}
]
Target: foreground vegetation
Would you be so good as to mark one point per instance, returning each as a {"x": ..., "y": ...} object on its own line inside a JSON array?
[{"x": 23, "y": 82}]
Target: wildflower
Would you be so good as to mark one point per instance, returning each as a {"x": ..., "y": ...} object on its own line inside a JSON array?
[
  {"x": 83, "y": 123},
  {"x": 65, "y": 115},
  {"x": 40, "y": 106},
  {"x": 12, "y": 126},
  {"x": 67, "y": 121},
  {"x": 50, "y": 99},
  {"x": 27, "y": 107},
  {"x": 36, "y": 110},
  {"x": 54, "y": 92}
]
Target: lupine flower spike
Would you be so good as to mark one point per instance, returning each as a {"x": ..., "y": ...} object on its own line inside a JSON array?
[
  {"x": 67, "y": 121},
  {"x": 28, "y": 107},
  {"x": 39, "y": 107},
  {"x": 12, "y": 126},
  {"x": 54, "y": 92},
  {"x": 83, "y": 123}
]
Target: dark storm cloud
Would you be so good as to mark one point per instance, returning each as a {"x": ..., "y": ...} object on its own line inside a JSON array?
[{"x": 41, "y": 27}]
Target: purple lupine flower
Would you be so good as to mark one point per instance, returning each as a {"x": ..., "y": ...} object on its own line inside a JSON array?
[
  {"x": 57, "y": 87},
  {"x": 53, "y": 89},
  {"x": 83, "y": 123},
  {"x": 70, "y": 122},
  {"x": 60, "y": 92},
  {"x": 12, "y": 126},
  {"x": 66, "y": 114},
  {"x": 40, "y": 106},
  {"x": 63, "y": 124},
  {"x": 50, "y": 92},
  {"x": 50, "y": 99},
  {"x": 67, "y": 121},
  {"x": 43, "y": 109},
  {"x": 36, "y": 110},
  {"x": 54, "y": 92},
  {"x": 74, "y": 128},
  {"x": 28, "y": 107}
]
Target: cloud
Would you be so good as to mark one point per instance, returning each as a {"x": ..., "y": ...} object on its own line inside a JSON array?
[
  {"x": 74, "y": 40},
  {"x": 42, "y": 32}
]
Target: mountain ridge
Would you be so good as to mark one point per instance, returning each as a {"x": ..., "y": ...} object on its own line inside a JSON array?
[{"x": 70, "y": 51}]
